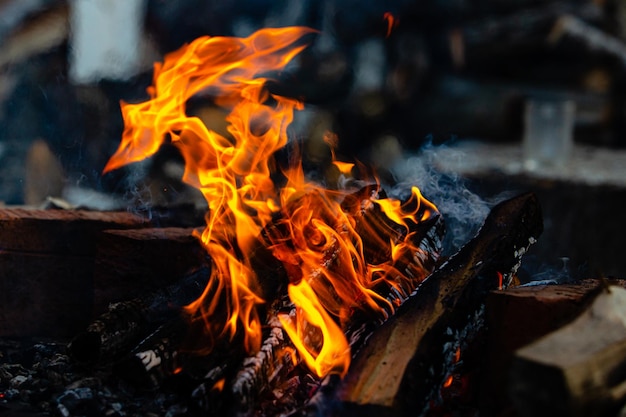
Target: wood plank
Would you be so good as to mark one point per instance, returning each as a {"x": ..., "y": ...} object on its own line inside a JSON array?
[
  {"x": 519, "y": 316},
  {"x": 131, "y": 262},
  {"x": 577, "y": 370},
  {"x": 60, "y": 231}
]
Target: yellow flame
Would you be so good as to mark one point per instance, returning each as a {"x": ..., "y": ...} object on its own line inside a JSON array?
[
  {"x": 332, "y": 353},
  {"x": 321, "y": 246}
]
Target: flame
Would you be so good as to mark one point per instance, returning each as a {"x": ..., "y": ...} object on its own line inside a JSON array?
[
  {"x": 332, "y": 353},
  {"x": 317, "y": 233},
  {"x": 392, "y": 22},
  {"x": 219, "y": 385},
  {"x": 500, "y": 280}
]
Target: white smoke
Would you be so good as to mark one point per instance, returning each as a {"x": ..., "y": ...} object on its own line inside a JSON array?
[{"x": 463, "y": 210}]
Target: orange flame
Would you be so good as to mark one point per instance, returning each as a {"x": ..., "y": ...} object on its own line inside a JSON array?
[
  {"x": 322, "y": 249},
  {"x": 392, "y": 22},
  {"x": 333, "y": 352}
]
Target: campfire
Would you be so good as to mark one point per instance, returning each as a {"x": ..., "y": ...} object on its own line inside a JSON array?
[{"x": 295, "y": 297}]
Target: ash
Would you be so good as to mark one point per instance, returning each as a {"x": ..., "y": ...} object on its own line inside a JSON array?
[{"x": 37, "y": 378}]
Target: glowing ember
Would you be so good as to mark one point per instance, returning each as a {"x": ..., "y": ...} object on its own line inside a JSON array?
[
  {"x": 392, "y": 22},
  {"x": 320, "y": 242}
]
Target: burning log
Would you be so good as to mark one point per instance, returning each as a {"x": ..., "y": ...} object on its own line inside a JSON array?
[
  {"x": 400, "y": 365},
  {"x": 272, "y": 368},
  {"x": 577, "y": 370},
  {"x": 156, "y": 357},
  {"x": 126, "y": 323}
]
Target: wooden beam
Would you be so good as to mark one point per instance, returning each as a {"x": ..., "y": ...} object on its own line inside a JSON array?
[
  {"x": 131, "y": 262},
  {"x": 577, "y": 370},
  {"x": 519, "y": 316}
]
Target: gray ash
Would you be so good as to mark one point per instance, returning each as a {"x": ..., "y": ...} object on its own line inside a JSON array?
[{"x": 37, "y": 378}]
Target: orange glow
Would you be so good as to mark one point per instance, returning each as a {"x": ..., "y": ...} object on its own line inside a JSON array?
[
  {"x": 448, "y": 381},
  {"x": 500, "y": 280},
  {"x": 315, "y": 233},
  {"x": 457, "y": 355},
  {"x": 392, "y": 22},
  {"x": 219, "y": 385},
  {"x": 325, "y": 354}
]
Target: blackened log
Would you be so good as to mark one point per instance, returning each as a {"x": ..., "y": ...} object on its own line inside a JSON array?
[
  {"x": 156, "y": 357},
  {"x": 273, "y": 366},
  {"x": 397, "y": 369},
  {"x": 118, "y": 330}
]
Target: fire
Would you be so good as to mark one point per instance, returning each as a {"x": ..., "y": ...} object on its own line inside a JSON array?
[
  {"x": 392, "y": 22},
  {"x": 328, "y": 357},
  {"x": 316, "y": 233}
]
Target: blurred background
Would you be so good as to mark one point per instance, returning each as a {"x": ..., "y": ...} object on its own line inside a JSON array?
[{"x": 473, "y": 100}]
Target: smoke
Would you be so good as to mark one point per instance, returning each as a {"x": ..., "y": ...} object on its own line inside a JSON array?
[{"x": 463, "y": 210}]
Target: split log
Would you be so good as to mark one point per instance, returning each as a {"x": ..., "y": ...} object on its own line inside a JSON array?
[
  {"x": 577, "y": 370},
  {"x": 400, "y": 365},
  {"x": 46, "y": 266},
  {"x": 519, "y": 316}
]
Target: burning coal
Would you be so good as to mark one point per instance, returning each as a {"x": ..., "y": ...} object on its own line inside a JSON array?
[{"x": 312, "y": 227}]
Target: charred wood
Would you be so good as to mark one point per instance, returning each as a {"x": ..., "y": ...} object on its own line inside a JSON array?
[
  {"x": 273, "y": 367},
  {"x": 126, "y": 323},
  {"x": 156, "y": 357},
  {"x": 400, "y": 365}
]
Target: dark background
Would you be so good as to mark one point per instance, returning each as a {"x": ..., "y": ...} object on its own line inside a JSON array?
[{"x": 450, "y": 70}]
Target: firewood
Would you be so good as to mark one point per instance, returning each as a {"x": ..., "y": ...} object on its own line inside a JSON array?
[
  {"x": 577, "y": 370},
  {"x": 156, "y": 357},
  {"x": 399, "y": 366},
  {"x": 274, "y": 364},
  {"x": 118, "y": 330},
  {"x": 130, "y": 262},
  {"x": 521, "y": 315},
  {"x": 70, "y": 232},
  {"x": 46, "y": 267}
]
